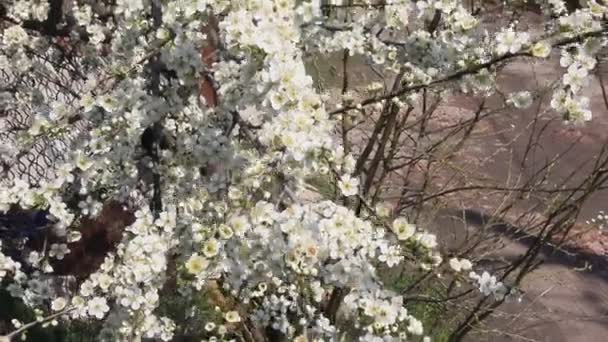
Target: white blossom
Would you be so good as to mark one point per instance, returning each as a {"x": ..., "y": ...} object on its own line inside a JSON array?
[
  {"x": 403, "y": 229},
  {"x": 509, "y": 41},
  {"x": 349, "y": 185},
  {"x": 232, "y": 317},
  {"x": 59, "y": 250},
  {"x": 541, "y": 49},
  {"x": 59, "y": 304},
  {"x": 97, "y": 307}
]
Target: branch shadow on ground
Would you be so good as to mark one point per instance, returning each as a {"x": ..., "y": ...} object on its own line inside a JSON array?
[{"x": 462, "y": 222}]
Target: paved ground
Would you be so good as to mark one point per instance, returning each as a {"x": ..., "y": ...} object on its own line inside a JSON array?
[{"x": 563, "y": 300}]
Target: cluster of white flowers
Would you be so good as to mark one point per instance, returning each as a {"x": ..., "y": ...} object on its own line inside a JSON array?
[
  {"x": 460, "y": 264},
  {"x": 488, "y": 285},
  {"x": 383, "y": 315},
  {"x": 229, "y": 174},
  {"x": 579, "y": 59},
  {"x": 600, "y": 221},
  {"x": 15, "y": 37},
  {"x": 579, "y": 62},
  {"x": 8, "y": 265},
  {"x": 397, "y": 14},
  {"x": 510, "y": 41}
]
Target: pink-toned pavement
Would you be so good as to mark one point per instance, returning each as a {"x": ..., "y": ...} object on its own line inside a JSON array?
[{"x": 566, "y": 299}]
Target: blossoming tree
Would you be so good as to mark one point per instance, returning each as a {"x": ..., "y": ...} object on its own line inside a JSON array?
[{"x": 107, "y": 97}]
